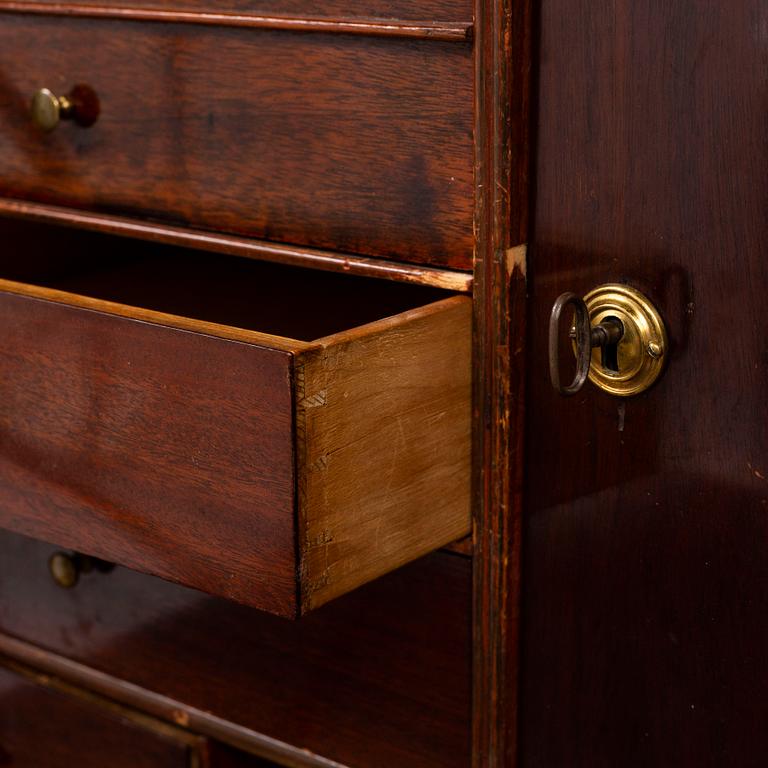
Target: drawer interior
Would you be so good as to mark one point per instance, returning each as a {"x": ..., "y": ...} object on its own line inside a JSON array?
[{"x": 274, "y": 299}]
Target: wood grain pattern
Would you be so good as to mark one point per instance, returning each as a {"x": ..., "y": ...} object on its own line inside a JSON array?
[
  {"x": 431, "y": 30},
  {"x": 44, "y": 727},
  {"x": 414, "y": 10},
  {"x": 383, "y": 426},
  {"x": 378, "y": 678},
  {"x": 502, "y": 127},
  {"x": 167, "y": 451},
  {"x": 313, "y": 258},
  {"x": 171, "y": 444},
  {"x": 356, "y": 144},
  {"x": 645, "y": 609}
]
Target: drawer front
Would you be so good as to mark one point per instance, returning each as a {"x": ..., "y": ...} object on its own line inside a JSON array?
[
  {"x": 41, "y": 727},
  {"x": 353, "y": 143},
  {"x": 380, "y": 678},
  {"x": 167, "y": 451}
]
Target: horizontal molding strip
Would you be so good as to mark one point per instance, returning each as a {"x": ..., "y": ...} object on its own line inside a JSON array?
[
  {"x": 433, "y": 30},
  {"x": 327, "y": 261},
  {"x": 159, "y": 706}
]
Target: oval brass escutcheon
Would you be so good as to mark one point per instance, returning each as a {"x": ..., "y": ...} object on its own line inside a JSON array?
[{"x": 639, "y": 357}]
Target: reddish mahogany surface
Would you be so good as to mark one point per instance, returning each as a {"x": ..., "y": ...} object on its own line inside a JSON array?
[
  {"x": 160, "y": 449},
  {"x": 645, "y": 564},
  {"x": 378, "y": 678},
  {"x": 42, "y": 728},
  {"x": 414, "y": 10},
  {"x": 503, "y": 61},
  {"x": 352, "y": 143}
]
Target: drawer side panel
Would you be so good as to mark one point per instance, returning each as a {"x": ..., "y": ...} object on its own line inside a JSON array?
[{"x": 384, "y": 447}]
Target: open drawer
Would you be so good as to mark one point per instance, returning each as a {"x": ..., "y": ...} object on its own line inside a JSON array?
[{"x": 273, "y": 436}]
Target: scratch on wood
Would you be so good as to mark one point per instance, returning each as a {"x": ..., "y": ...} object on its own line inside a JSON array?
[{"x": 322, "y": 538}]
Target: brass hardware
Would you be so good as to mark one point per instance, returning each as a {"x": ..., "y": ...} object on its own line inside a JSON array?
[
  {"x": 64, "y": 570},
  {"x": 67, "y": 567},
  {"x": 619, "y": 340},
  {"x": 81, "y": 106}
]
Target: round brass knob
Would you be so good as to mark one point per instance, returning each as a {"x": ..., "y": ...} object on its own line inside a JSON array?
[
  {"x": 67, "y": 567},
  {"x": 81, "y": 105}
]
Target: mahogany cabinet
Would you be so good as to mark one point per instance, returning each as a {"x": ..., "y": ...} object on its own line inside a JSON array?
[
  {"x": 245, "y": 426},
  {"x": 283, "y": 476}
]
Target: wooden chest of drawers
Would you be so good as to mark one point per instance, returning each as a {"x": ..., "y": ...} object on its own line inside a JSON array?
[{"x": 278, "y": 430}]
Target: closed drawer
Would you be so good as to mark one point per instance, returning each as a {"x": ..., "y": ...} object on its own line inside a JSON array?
[
  {"x": 261, "y": 462},
  {"x": 378, "y": 678},
  {"x": 359, "y": 144},
  {"x": 45, "y": 727}
]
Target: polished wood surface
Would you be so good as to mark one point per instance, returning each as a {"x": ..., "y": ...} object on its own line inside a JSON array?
[
  {"x": 337, "y": 142},
  {"x": 645, "y": 610},
  {"x": 407, "y": 10},
  {"x": 165, "y": 450},
  {"x": 432, "y": 30},
  {"x": 42, "y": 727},
  {"x": 378, "y": 678},
  {"x": 392, "y": 677},
  {"x": 170, "y": 444},
  {"x": 22, "y": 220},
  {"x": 502, "y": 127}
]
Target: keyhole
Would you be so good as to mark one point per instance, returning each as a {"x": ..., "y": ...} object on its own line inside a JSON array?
[{"x": 610, "y": 352}]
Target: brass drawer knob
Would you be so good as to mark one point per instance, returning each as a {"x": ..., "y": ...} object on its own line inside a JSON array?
[
  {"x": 81, "y": 106},
  {"x": 67, "y": 567}
]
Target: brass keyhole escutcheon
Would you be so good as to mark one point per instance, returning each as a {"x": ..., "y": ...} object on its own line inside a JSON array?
[
  {"x": 638, "y": 358},
  {"x": 618, "y": 338}
]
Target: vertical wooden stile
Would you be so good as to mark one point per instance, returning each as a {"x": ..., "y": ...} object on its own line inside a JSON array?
[{"x": 502, "y": 72}]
